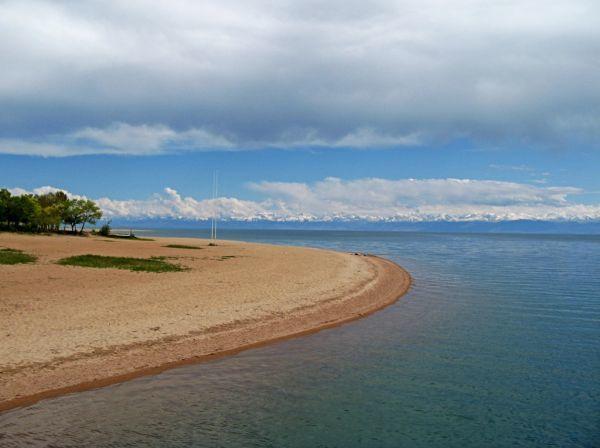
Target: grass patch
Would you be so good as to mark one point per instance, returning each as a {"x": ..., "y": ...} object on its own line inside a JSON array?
[
  {"x": 181, "y": 246},
  {"x": 153, "y": 264},
  {"x": 14, "y": 256}
]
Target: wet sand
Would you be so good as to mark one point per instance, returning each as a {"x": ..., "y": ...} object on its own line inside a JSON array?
[{"x": 66, "y": 328}]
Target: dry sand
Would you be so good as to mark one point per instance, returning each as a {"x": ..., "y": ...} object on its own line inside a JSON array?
[{"x": 65, "y": 328}]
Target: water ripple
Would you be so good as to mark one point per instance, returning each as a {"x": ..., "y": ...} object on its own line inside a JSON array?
[{"x": 497, "y": 344}]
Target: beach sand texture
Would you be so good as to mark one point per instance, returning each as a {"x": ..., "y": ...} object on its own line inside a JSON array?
[{"x": 67, "y": 328}]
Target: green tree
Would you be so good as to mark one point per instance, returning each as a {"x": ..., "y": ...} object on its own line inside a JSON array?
[
  {"x": 53, "y": 198},
  {"x": 50, "y": 217},
  {"x": 80, "y": 211},
  {"x": 53, "y": 205},
  {"x": 70, "y": 214},
  {"x": 4, "y": 201},
  {"x": 90, "y": 213},
  {"x": 46, "y": 212},
  {"x": 23, "y": 211}
]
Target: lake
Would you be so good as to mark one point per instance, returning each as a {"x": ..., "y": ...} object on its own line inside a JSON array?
[{"x": 497, "y": 344}]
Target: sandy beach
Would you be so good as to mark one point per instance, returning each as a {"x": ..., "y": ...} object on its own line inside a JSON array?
[{"x": 67, "y": 328}]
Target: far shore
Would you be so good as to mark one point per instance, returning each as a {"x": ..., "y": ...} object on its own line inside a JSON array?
[{"x": 70, "y": 328}]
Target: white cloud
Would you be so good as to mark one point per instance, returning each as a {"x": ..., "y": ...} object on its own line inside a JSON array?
[
  {"x": 423, "y": 199},
  {"x": 171, "y": 204},
  {"x": 37, "y": 148},
  {"x": 118, "y": 138},
  {"x": 366, "y": 199},
  {"x": 361, "y": 138},
  {"x": 123, "y": 138}
]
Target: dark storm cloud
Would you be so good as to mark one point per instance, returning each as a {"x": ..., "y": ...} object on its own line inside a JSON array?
[{"x": 141, "y": 77}]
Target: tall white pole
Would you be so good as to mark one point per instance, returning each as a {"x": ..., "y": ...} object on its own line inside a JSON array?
[
  {"x": 212, "y": 220},
  {"x": 215, "y": 192},
  {"x": 216, "y": 195}
]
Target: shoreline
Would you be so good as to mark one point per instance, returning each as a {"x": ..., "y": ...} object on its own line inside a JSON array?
[{"x": 386, "y": 283}]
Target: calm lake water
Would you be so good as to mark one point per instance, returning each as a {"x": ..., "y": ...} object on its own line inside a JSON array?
[{"x": 497, "y": 344}]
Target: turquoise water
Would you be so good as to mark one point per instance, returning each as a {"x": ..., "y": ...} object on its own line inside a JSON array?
[{"x": 497, "y": 344}]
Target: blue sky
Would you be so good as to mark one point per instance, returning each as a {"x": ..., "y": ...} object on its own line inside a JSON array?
[
  {"x": 127, "y": 177},
  {"x": 426, "y": 110}
]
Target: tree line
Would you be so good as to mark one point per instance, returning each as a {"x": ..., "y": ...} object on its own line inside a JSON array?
[{"x": 46, "y": 212}]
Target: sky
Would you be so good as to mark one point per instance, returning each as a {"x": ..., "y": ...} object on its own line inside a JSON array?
[{"x": 376, "y": 110}]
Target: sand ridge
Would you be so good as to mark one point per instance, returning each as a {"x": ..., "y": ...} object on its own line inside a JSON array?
[{"x": 65, "y": 328}]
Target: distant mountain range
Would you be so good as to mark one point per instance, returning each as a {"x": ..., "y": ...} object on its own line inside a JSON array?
[{"x": 517, "y": 226}]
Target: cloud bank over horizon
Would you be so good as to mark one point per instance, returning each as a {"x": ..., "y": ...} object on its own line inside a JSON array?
[
  {"x": 369, "y": 199},
  {"x": 145, "y": 78}
]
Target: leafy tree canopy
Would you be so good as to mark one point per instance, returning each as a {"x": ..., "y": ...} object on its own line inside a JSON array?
[{"x": 46, "y": 212}]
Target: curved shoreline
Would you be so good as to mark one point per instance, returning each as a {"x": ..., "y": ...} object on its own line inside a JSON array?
[{"x": 146, "y": 358}]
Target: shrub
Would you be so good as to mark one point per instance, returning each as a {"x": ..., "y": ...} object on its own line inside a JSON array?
[{"x": 105, "y": 229}]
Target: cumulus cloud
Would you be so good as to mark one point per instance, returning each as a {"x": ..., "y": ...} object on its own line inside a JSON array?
[
  {"x": 145, "y": 77},
  {"x": 170, "y": 204},
  {"x": 369, "y": 199}
]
